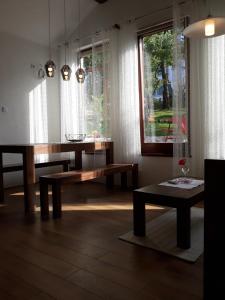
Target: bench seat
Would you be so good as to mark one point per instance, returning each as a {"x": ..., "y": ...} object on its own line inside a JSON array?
[{"x": 58, "y": 179}]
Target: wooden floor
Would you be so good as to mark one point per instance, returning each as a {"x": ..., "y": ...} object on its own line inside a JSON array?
[{"x": 80, "y": 255}]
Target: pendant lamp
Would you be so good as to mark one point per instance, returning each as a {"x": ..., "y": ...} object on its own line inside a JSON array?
[
  {"x": 50, "y": 65},
  {"x": 209, "y": 27},
  {"x": 65, "y": 70},
  {"x": 80, "y": 73}
]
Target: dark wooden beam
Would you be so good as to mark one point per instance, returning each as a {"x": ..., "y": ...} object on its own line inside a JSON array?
[{"x": 101, "y": 1}]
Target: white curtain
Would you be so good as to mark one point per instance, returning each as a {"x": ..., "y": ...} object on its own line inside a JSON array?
[
  {"x": 208, "y": 100},
  {"x": 124, "y": 95},
  {"x": 38, "y": 114},
  {"x": 107, "y": 104},
  {"x": 38, "y": 117}
]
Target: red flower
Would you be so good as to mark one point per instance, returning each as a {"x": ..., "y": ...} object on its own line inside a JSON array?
[{"x": 182, "y": 162}]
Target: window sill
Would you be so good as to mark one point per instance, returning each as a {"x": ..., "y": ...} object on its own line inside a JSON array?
[{"x": 157, "y": 149}]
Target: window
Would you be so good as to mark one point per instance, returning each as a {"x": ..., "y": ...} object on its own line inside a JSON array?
[{"x": 156, "y": 78}]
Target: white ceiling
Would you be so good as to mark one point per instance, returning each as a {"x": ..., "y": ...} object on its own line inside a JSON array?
[{"x": 28, "y": 19}]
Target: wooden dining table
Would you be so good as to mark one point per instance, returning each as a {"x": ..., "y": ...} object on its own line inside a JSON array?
[{"x": 29, "y": 151}]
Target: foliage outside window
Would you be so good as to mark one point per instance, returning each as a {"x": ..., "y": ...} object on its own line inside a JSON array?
[{"x": 158, "y": 121}]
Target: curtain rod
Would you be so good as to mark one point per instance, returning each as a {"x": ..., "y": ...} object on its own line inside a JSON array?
[
  {"x": 117, "y": 26},
  {"x": 161, "y": 9}
]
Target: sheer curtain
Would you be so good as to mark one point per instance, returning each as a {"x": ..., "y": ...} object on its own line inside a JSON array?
[
  {"x": 124, "y": 95},
  {"x": 38, "y": 116},
  {"x": 208, "y": 100},
  {"x": 107, "y": 104}
]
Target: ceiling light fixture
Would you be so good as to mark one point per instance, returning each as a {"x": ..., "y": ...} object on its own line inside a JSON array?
[
  {"x": 80, "y": 73},
  {"x": 50, "y": 65},
  {"x": 209, "y": 27},
  {"x": 65, "y": 70}
]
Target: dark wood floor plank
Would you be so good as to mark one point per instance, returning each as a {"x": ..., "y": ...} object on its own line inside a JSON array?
[
  {"x": 5, "y": 296},
  {"x": 43, "y": 280},
  {"x": 64, "y": 239},
  {"x": 46, "y": 262},
  {"x": 17, "y": 287},
  {"x": 105, "y": 288},
  {"x": 42, "y": 296},
  {"x": 163, "y": 290}
]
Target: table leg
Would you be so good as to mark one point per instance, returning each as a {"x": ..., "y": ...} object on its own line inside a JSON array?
[
  {"x": 109, "y": 160},
  {"x": 1, "y": 179},
  {"x": 184, "y": 227},
  {"x": 78, "y": 160},
  {"x": 29, "y": 179},
  {"x": 138, "y": 215},
  {"x": 124, "y": 180},
  {"x": 56, "y": 201}
]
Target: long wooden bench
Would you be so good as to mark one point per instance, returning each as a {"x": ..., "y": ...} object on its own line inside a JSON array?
[
  {"x": 59, "y": 179},
  {"x": 19, "y": 167}
]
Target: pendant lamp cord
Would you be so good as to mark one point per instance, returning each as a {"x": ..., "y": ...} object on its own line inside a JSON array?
[
  {"x": 65, "y": 29},
  {"x": 79, "y": 34},
  {"x": 206, "y": 2},
  {"x": 49, "y": 31}
]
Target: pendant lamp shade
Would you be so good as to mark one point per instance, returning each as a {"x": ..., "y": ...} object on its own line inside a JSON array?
[
  {"x": 50, "y": 65},
  {"x": 209, "y": 27},
  {"x": 50, "y": 68},
  {"x": 80, "y": 74},
  {"x": 66, "y": 72}
]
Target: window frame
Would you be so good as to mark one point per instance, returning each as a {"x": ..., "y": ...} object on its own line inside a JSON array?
[{"x": 159, "y": 149}]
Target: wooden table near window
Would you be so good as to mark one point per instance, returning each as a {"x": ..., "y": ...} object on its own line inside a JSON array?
[{"x": 29, "y": 151}]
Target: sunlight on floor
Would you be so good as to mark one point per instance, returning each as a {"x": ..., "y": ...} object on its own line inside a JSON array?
[
  {"x": 22, "y": 194},
  {"x": 102, "y": 207}
]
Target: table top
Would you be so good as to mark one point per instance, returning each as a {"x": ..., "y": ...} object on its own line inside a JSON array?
[
  {"x": 56, "y": 147},
  {"x": 156, "y": 189},
  {"x": 169, "y": 196}
]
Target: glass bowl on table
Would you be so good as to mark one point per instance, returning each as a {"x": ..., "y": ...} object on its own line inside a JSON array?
[{"x": 75, "y": 137}]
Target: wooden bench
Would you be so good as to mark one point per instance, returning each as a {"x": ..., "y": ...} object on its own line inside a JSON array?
[
  {"x": 19, "y": 167},
  {"x": 59, "y": 179}
]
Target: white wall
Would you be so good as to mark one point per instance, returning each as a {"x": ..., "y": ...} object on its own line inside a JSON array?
[{"x": 17, "y": 79}]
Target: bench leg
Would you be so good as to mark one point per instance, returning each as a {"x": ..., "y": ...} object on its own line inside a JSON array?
[
  {"x": 184, "y": 228},
  {"x": 109, "y": 181},
  {"x": 56, "y": 200},
  {"x": 44, "y": 200},
  {"x": 135, "y": 176},
  {"x": 138, "y": 215},
  {"x": 65, "y": 167},
  {"x": 1, "y": 188},
  {"x": 1, "y": 180},
  {"x": 124, "y": 180}
]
